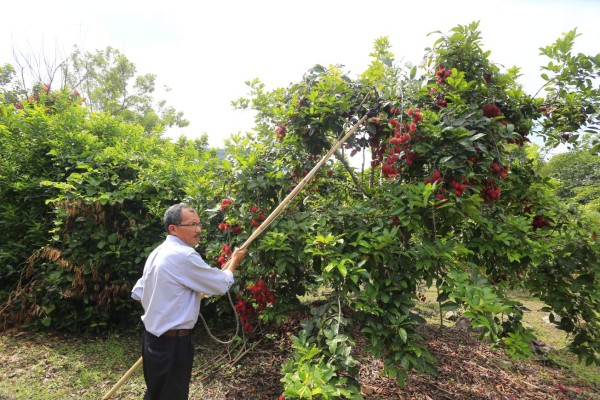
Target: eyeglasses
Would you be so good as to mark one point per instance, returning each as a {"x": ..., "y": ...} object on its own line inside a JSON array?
[{"x": 192, "y": 225}]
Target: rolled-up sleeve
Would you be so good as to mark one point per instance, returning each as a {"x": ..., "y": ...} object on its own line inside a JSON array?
[
  {"x": 202, "y": 278},
  {"x": 138, "y": 290}
]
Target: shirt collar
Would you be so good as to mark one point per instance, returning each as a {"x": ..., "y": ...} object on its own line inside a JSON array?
[{"x": 175, "y": 239}]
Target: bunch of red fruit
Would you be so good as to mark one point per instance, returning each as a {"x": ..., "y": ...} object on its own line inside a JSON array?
[
  {"x": 409, "y": 157},
  {"x": 224, "y": 226},
  {"x": 257, "y": 216},
  {"x": 539, "y": 222},
  {"x": 262, "y": 296},
  {"x": 458, "y": 187},
  {"x": 436, "y": 178},
  {"x": 280, "y": 132},
  {"x": 443, "y": 73},
  {"x": 225, "y": 255},
  {"x": 225, "y": 203},
  {"x": 501, "y": 171},
  {"x": 416, "y": 114},
  {"x": 246, "y": 313},
  {"x": 441, "y": 198},
  {"x": 491, "y": 111},
  {"x": 388, "y": 170},
  {"x": 439, "y": 98},
  {"x": 491, "y": 192}
]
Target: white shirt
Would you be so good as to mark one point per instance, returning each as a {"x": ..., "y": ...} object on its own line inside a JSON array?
[{"x": 169, "y": 289}]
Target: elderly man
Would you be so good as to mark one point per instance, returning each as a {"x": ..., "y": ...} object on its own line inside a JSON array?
[{"x": 174, "y": 277}]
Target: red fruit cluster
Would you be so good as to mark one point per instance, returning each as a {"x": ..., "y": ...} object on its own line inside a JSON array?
[
  {"x": 490, "y": 191},
  {"x": 502, "y": 172},
  {"x": 439, "y": 99},
  {"x": 416, "y": 114},
  {"x": 399, "y": 150},
  {"x": 409, "y": 157},
  {"x": 246, "y": 313},
  {"x": 474, "y": 160},
  {"x": 280, "y": 132},
  {"x": 374, "y": 120},
  {"x": 441, "y": 198},
  {"x": 539, "y": 222},
  {"x": 296, "y": 177},
  {"x": 443, "y": 73},
  {"x": 257, "y": 216},
  {"x": 458, "y": 187},
  {"x": 225, "y": 203},
  {"x": 436, "y": 178},
  {"x": 225, "y": 226},
  {"x": 262, "y": 296},
  {"x": 400, "y": 138},
  {"x": 225, "y": 255},
  {"x": 76, "y": 95},
  {"x": 491, "y": 111},
  {"x": 388, "y": 170}
]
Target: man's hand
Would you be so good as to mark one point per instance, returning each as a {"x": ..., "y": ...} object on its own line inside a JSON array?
[{"x": 236, "y": 258}]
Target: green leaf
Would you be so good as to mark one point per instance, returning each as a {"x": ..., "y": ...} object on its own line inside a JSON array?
[{"x": 403, "y": 335}]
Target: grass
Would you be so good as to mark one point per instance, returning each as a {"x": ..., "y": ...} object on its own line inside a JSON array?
[{"x": 48, "y": 367}]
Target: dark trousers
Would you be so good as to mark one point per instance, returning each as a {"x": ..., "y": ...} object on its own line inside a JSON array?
[{"x": 167, "y": 366}]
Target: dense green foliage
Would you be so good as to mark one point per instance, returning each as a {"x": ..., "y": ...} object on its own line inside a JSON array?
[
  {"x": 450, "y": 198},
  {"x": 81, "y": 203},
  {"x": 578, "y": 178}
]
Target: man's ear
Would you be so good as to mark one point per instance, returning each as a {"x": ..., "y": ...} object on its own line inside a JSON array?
[{"x": 171, "y": 229}]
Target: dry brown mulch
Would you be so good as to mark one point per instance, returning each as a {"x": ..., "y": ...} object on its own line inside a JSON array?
[
  {"x": 471, "y": 369},
  {"x": 468, "y": 369}
]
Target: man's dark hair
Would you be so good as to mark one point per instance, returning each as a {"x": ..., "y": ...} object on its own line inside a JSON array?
[{"x": 173, "y": 214}]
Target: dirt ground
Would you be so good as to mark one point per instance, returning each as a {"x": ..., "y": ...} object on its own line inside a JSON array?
[{"x": 468, "y": 369}]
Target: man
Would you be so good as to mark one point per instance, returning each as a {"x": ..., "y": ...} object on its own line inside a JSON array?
[{"x": 174, "y": 277}]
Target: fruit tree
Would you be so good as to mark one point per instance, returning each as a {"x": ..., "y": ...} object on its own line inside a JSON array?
[{"x": 446, "y": 197}]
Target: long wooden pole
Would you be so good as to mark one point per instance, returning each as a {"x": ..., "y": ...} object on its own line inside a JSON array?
[
  {"x": 264, "y": 225},
  {"x": 284, "y": 203},
  {"x": 123, "y": 379}
]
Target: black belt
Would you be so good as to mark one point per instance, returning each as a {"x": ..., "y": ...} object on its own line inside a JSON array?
[{"x": 177, "y": 332}]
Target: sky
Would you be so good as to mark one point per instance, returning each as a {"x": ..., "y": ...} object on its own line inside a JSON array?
[{"x": 205, "y": 51}]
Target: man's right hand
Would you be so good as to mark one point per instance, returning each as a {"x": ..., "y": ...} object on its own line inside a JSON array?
[{"x": 236, "y": 258}]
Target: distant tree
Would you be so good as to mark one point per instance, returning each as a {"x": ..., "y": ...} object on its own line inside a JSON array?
[
  {"x": 578, "y": 176},
  {"x": 105, "y": 81},
  {"x": 81, "y": 199}
]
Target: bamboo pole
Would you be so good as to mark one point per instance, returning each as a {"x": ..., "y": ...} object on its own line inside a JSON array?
[
  {"x": 123, "y": 379},
  {"x": 284, "y": 203},
  {"x": 264, "y": 225}
]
